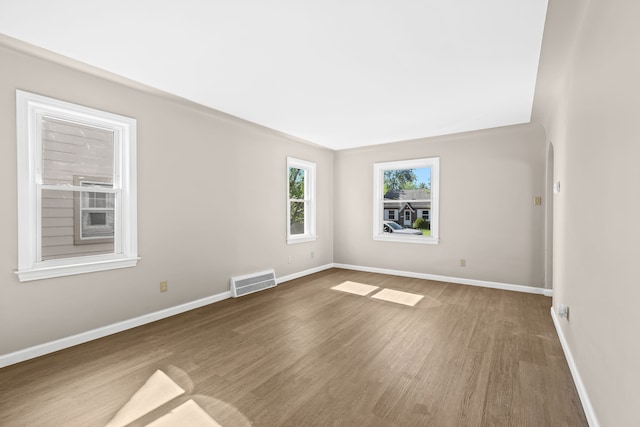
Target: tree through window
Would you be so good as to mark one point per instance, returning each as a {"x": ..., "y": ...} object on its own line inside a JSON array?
[{"x": 300, "y": 200}]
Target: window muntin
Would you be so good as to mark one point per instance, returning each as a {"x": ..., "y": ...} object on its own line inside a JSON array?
[
  {"x": 300, "y": 200},
  {"x": 411, "y": 187},
  {"x": 76, "y": 188}
]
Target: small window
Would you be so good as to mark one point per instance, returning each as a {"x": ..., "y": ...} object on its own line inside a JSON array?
[
  {"x": 76, "y": 189},
  {"x": 94, "y": 212},
  {"x": 414, "y": 186},
  {"x": 424, "y": 214},
  {"x": 391, "y": 214},
  {"x": 301, "y": 206}
]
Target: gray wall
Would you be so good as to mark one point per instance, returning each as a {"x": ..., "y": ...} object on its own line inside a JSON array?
[
  {"x": 488, "y": 181},
  {"x": 212, "y": 201},
  {"x": 587, "y": 99}
]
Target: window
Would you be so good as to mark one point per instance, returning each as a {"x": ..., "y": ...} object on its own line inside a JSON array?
[
  {"x": 391, "y": 214},
  {"x": 94, "y": 212},
  {"x": 301, "y": 206},
  {"x": 412, "y": 186},
  {"x": 76, "y": 189}
]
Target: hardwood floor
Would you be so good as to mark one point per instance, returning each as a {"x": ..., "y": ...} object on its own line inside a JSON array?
[{"x": 303, "y": 354}]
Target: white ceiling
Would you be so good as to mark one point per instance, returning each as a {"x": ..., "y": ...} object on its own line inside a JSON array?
[{"x": 340, "y": 73}]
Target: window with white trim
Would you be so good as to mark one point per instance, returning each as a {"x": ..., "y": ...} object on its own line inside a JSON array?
[
  {"x": 414, "y": 186},
  {"x": 391, "y": 214},
  {"x": 424, "y": 214},
  {"x": 301, "y": 200},
  {"x": 94, "y": 212},
  {"x": 76, "y": 189}
]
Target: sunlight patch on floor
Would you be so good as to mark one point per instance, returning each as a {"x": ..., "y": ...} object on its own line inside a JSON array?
[
  {"x": 158, "y": 390},
  {"x": 398, "y": 297},
  {"x": 192, "y": 410},
  {"x": 355, "y": 288},
  {"x": 188, "y": 414}
]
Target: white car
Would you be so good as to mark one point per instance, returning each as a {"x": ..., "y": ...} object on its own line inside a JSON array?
[{"x": 394, "y": 227}]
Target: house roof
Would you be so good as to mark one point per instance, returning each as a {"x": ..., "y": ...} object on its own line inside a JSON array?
[
  {"x": 412, "y": 206},
  {"x": 408, "y": 195}
]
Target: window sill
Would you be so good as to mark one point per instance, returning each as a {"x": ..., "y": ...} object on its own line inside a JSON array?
[
  {"x": 55, "y": 268},
  {"x": 302, "y": 239},
  {"x": 407, "y": 239}
]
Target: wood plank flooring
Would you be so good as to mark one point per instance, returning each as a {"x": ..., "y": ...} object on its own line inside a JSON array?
[{"x": 302, "y": 354}]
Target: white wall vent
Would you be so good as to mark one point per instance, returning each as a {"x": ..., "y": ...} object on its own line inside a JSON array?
[{"x": 249, "y": 283}]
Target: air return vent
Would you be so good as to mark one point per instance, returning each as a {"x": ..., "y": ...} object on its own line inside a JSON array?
[{"x": 247, "y": 284}]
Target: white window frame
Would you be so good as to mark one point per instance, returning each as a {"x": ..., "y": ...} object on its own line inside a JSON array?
[
  {"x": 30, "y": 111},
  {"x": 309, "y": 200},
  {"x": 378, "y": 199}
]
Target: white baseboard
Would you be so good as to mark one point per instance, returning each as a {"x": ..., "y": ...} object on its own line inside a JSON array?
[
  {"x": 60, "y": 344},
  {"x": 459, "y": 280},
  {"x": 304, "y": 273},
  {"x": 582, "y": 391}
]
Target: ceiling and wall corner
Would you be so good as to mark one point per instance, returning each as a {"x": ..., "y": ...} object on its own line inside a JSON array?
[{"x": 339, "y": 74}]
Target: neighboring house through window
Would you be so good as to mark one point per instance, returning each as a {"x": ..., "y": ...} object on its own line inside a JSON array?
[
  {"x": 301, "y": 200},
  {"x": 76, "y": 189},
  {"x": 403, "y": 192}
]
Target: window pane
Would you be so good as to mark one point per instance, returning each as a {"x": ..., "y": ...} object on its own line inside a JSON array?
[
  {"x": 100, "y": 200},
  {"x": 70, "y": 149},
  {"x": 296, "y": 183},
  {"x": 58, "y": 229},
  {"x": 407, "y": 184},
  {"x": 97, "y": 224},
  {"x": 97, "y": 218},
  {"x": 297, "y": 218},
  {"x": 408, "y": 191},
  {"x": 404, "y": 198}
]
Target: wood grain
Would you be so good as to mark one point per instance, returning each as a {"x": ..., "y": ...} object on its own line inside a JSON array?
[{"x": 302, "y": 354}]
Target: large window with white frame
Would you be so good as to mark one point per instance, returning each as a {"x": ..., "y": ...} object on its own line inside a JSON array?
[
  {"x": 405, "y": 200},
  {"x": 76, "y": 188},
  {"x": 301, "y": 200}
]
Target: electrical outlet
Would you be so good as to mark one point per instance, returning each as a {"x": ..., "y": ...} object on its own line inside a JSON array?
[
  {"x": 312, "y": 254},
  {"x": 164, "y": 286},
  {"x": 463, "y": 263},
  {"x": 289, "y": 259},
  {"x": 563, "y": 312}
]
